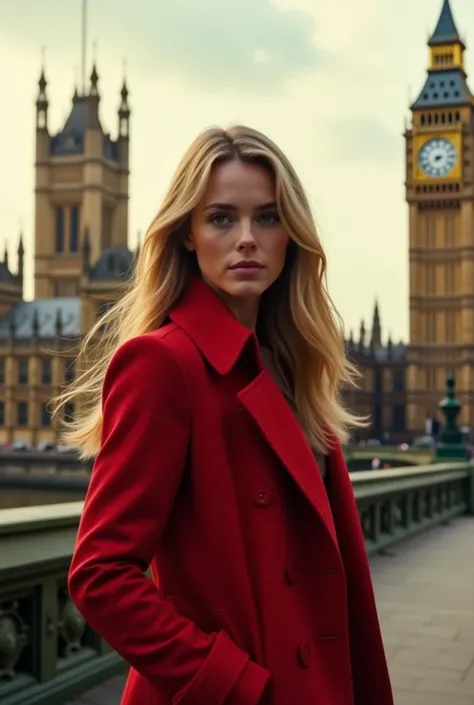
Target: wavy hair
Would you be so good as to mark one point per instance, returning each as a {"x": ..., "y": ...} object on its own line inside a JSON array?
[{"x": 297, "y": 318}]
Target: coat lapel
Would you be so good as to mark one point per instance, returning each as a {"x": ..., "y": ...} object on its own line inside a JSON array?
[
  {"x": 269, "y": 409},
  {"x": 221, "y": 339}
]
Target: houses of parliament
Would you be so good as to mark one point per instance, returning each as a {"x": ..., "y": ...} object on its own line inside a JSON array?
[{"x": 82, "y": 259}]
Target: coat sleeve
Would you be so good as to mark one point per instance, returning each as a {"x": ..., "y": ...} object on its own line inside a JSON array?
[
  {"x": 135, "y": 479},
  {"x": 371, "y": 680}
]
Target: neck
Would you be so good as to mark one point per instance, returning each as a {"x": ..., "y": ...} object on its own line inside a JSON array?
[{"x": 246, "y": 312}]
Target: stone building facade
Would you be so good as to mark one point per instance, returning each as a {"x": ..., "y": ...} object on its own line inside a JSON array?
[{"x": 81, "y": 260}]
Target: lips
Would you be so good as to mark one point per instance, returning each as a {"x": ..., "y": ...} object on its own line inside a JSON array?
[{"x": 247, "y": 264}]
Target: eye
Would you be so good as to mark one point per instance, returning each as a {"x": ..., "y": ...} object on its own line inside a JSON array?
[
  {"x": 270, "y": 218},
  {"x": 220, "y": 219}
]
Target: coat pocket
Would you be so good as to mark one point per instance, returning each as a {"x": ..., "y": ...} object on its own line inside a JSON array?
[
  {"x": 226, "y": 624},
  {"x": 208, "y": 619}
]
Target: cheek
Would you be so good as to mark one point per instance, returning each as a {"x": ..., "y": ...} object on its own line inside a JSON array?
[
  {"x": 208, "y": 246},
  {"x": 210, "y": 251},
  {"x": 279, "y": 249}
]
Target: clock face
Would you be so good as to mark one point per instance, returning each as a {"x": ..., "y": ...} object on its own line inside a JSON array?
[{"x": 437, "y": 157}]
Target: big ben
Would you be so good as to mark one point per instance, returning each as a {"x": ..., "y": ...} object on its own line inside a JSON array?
[{"x": 440, "y": 196}]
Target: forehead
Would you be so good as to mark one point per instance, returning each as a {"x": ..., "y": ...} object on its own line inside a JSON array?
[{"x": 237, "y": 181}]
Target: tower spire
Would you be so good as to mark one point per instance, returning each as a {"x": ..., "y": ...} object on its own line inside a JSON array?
[
  {"x": 124, "y": 111},
  {"x": 42, "y": 100},
  {"x": 446, "y": 82},
  {"x": 362, "y": 336},
  {"x": 376, "y": 338},
  {"x": 446, "y": 31}
]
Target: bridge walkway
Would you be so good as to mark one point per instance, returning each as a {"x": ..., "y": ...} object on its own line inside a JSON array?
[{"x": 425, "y": 596}]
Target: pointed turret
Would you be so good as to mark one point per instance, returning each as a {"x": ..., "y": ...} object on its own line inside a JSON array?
[
  {"x": 5, "y": 255},
  {"x": 94, "y": 90},
  {"x": 362, "y": 336},
  {"x": 42, "y": 104},
  {"x": 92, "y": 102},
  {"x": 446, "y": 31},
  {"x": 124, "y": 113},
  {"x": 21, "y": 258},
  {"x": 376, "y": 338}
]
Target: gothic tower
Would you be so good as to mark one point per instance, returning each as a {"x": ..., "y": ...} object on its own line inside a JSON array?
[
  {"x": 82, "y": 179},
  {"x": 440, "y": 196}
]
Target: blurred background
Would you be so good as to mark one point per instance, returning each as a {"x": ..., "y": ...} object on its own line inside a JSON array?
[{"x": 99, "y": 101}]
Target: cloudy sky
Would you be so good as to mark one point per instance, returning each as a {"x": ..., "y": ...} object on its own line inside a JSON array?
[{"x": 329, "y": 81}]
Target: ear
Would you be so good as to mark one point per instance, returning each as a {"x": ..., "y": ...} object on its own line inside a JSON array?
[{"x": 189, "y": 243}]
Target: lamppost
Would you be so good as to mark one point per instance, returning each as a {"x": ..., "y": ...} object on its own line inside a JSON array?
[{"x": 450, "y": 446}]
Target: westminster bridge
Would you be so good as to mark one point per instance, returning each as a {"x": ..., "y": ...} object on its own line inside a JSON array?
[{"x": 418, "y": 524}]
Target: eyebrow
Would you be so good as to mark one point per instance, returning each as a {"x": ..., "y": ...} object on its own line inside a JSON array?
[{"x": 230, "y": 207}]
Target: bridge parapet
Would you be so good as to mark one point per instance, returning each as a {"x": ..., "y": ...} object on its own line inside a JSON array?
[
  {"x": 396, "y": 504},
  {"x": 49, "y": 655}
]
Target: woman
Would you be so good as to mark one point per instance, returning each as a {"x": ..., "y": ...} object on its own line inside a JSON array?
[{"x": 215, "y": 417}]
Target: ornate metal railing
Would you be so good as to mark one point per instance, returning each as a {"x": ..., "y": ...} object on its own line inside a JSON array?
[
  {"x": 49, "y": 655},
  {"x": 395, "y": 504}
]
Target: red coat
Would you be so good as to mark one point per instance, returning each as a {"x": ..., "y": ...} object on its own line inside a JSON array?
[{"x": 261, "y": 590}]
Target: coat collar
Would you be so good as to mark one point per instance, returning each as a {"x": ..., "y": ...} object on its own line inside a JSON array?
[{"x": 213, "y": 328}]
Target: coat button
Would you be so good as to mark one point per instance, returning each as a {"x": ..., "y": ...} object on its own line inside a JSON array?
[
  {"x": 330, "y": 571},
  {"x": 304, "y": 654},
  {"x": 290, "y": 572},
  {"x": 262, "y": 499}
]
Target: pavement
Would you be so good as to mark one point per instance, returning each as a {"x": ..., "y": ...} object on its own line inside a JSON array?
[{"x": 425, "y": 597}]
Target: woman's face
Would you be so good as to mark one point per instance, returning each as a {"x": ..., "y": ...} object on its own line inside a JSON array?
[{"x": 239, "y": 241}]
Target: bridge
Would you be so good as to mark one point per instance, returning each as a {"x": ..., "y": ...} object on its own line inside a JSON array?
[
  {"x": 51, "y": 469},
  {"x": 360, "y": 458},
  {"x": 29, "y": 460},
  {"x": 418, "y": 524}
]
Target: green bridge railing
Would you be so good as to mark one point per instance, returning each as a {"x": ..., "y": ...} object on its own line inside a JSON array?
[
  {"x": 398, "y": 503},
  {"x": 49, "y": 655}
]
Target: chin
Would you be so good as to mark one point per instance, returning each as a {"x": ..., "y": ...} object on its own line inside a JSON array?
[{"x": 246, "y": 289}]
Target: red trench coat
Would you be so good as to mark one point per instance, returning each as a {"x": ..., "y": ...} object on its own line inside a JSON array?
[{"x": 261, "y": 590}]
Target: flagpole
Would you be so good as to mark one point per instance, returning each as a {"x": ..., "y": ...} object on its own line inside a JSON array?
[{"x": 84, "y": 44}]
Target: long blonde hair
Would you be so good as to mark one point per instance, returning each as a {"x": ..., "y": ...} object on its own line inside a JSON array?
[{"x": 301, "y": 325}]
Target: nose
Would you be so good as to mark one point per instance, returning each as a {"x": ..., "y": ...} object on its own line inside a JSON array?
[{"x": 246, "y": 239}]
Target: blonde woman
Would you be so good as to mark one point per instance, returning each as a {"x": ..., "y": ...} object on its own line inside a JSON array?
[{"x": 216, "y": 423}]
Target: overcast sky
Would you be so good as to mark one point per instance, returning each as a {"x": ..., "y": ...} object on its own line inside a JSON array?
[{"x": 328, "y": 81}]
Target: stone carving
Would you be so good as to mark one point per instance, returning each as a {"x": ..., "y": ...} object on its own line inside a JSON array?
[
  {"x": 13, "y": 639},
  {"x": 71, "y": 627}
]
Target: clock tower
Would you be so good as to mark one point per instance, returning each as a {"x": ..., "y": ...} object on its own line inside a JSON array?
[{"x": 440, "y": 196}]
